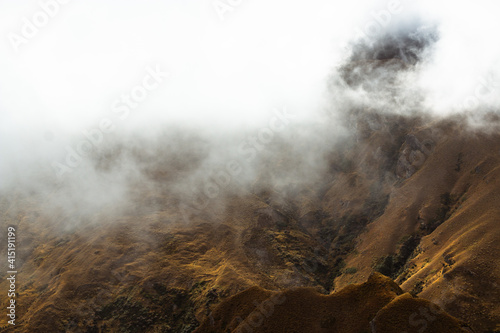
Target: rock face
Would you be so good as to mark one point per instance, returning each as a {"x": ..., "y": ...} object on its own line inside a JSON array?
[
  {"x": 413, "y": 156},
  {"x": 378, "y": 305}
]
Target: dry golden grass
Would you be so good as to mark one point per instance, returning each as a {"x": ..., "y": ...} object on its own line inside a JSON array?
[{"x": 147, "y": 270}]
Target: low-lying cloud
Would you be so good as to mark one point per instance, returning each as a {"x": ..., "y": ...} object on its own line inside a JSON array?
[{"x": 111, "y": 96}]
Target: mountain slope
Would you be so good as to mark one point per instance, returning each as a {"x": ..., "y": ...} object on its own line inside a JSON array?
[
  {"x": 414, "y": 199},
  {"x": 377, "y": 305}
]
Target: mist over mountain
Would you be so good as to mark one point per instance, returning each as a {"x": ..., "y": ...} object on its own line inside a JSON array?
[
  {"x": 95, "y": 166},
  {"x": 176, "y": 167}
]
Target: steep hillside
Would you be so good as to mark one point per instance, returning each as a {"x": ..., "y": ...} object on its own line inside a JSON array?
[
  {"x": 415, "y": 200},
  {"x": 436, "y": 236}
]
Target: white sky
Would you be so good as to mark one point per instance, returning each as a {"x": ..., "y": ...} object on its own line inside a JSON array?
[{"x": 261, "y": 56}]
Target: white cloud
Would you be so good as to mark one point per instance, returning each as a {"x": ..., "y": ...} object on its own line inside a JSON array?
[{"x": 223, "y": 73}]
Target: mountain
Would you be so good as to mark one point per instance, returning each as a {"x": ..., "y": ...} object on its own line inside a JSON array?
[
  {"x": 411, "y": 197},
  {"x": 378, "y": 215}
]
